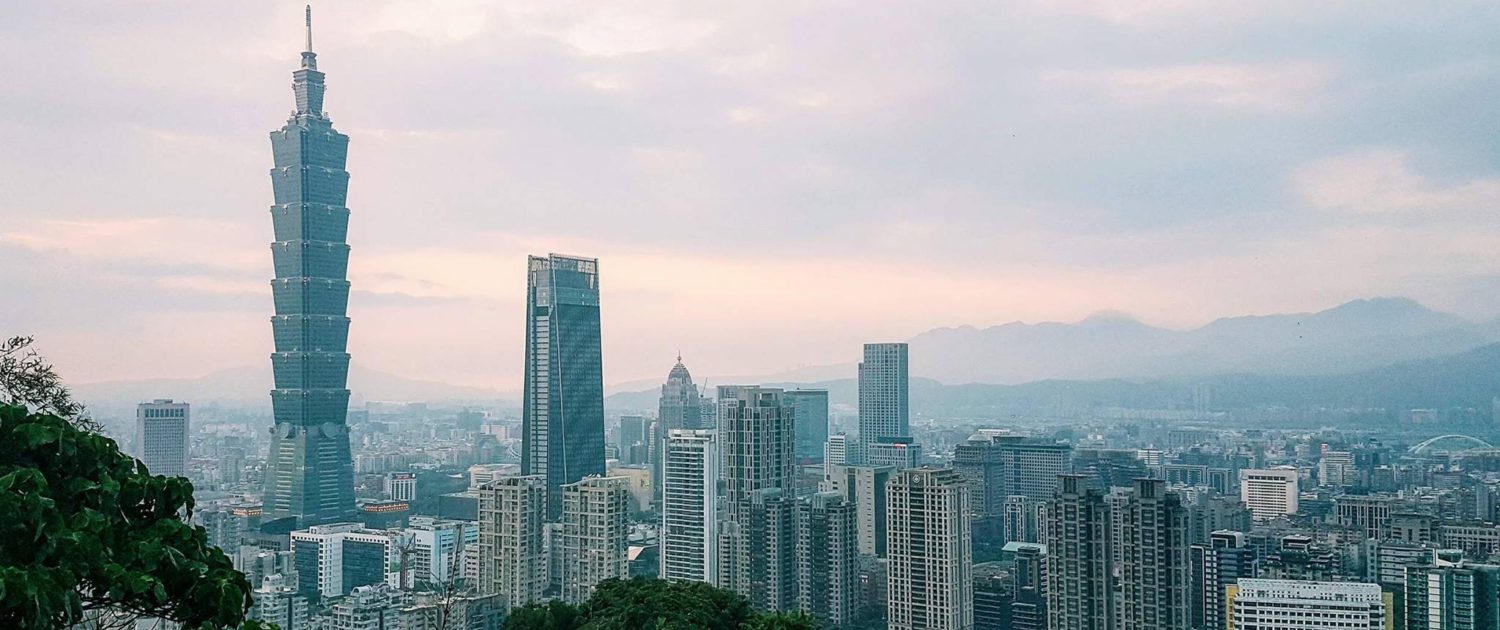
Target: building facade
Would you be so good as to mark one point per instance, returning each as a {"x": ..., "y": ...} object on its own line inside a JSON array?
[
  {"x": 884, "y": 409},
  {"x": 594, "y": 534},
  {"x": 562, "y": 413},
  {"x": 929, "y": 551},
  {"x": 865, "y": 487},
  {"x": 1301, "y": 605},
  {"x": 1269, "y": 493},
  {"x": 161, "y": 436},
  {"x": 690, "y": 506},
  {"x": 810, "y": 419},
  {"x": 827, "y": 558},
  {"x": 513, "y": 560},
  {"x": 1078, "y": 572},
  {"x": 309, "y": 474}
]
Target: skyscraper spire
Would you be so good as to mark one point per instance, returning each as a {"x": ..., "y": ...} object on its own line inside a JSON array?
[
  {"x": 309, "y": 58},
  {"x": 308, "y": 48}
]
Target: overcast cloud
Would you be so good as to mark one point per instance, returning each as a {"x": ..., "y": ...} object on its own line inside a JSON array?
[{"x": 767, "y": 184}]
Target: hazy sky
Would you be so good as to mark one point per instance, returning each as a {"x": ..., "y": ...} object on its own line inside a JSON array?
[{"x": 766, "y": 184}]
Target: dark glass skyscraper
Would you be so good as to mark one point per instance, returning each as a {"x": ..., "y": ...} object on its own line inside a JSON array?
[
  {"x": 309, "y": 474},
  {"x": 563, "y": 412}
]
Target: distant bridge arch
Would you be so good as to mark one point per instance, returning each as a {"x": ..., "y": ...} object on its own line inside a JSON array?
[{"x": 1450, "y": 444}]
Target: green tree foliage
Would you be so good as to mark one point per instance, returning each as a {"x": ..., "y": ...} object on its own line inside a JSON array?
[
  {"x": 647, "y": 604},
  {"x": 27, "y": 380},
  {"x": 88, "y": 531}
]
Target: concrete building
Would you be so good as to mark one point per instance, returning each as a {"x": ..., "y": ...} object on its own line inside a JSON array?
[
  {"x": 332, "y": 560},
  {"x": 161, "y": 436},
  {"x": 827, "y": 558},
  {"x": 761, "y": 561},
  {"x": 1297, "y": 605},
  {"x": 1368, "y": 513},
  {"x": 835, "y": 452},
  {"x": 865, "y": 486},
  {"x": 1225, "y": 559},
  {"x": 276, "y": 601},
  {"x": 690, "y": 506},
  {"x": 435, "y": 556},
  {"x": 594, "y": 533},
  {"x": 1452, "y": 596},
  {"x": 1270, "y": 493},
  {"x": 884, "y": 407},
  {"x": 929, "y": 551},
  {"x": 897, "y": 452},
  {"x": 513, "y": 560},
  {"x": 756, "y": 439},
  {"x": 562, "y": 413},
  {"x": 1149, "y": 558},
  {"x": 401, "y": 486}
]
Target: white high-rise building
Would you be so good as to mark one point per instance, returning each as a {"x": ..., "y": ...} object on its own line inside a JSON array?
[
  {"x": 1301, "y": 605},
  {"x": 334, "y": 559},
  {"x": 594, "y": 533},
  {"x": 690, "y": 506},
  {"x": 1269, "y": 493},
  {"x": 513, "y": 560},
  {"x": 884, "y": 411},
  {"x": 1336, "y": 469},
  {"x": 161, "y": 436},
  {"x": 435, "y": 558},
  {"x": 401, "y": 486},
  {"x": 835, "y": 452},
  {"x": 929, "y": 550}
]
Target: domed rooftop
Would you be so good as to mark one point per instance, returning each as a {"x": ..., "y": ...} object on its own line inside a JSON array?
[{"x": 679, "y": 372}]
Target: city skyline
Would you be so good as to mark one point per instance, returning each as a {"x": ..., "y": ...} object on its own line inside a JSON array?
[{"x": 1372, "y": 208}]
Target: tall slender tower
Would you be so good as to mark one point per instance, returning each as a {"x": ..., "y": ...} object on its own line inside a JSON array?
[
  {"x": 884, "y": 411},
  {"x": 563, "y": 410},
  {"x": 309, "y": 474}
]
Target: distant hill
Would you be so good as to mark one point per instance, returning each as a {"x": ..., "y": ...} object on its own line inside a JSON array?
[
  {"x": 1353, "y": 336},
  {"x": 252, "y": 386},
  {"x": 1467, "y": 379}
]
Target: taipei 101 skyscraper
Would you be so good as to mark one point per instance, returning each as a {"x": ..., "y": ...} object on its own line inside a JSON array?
[{"x": 309, "y": 474}]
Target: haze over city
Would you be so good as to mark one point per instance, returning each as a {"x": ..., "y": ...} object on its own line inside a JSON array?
[{"x": 766, "y": 186}]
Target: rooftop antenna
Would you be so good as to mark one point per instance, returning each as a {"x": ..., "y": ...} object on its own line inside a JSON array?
[{"x": 309, "y": 29}]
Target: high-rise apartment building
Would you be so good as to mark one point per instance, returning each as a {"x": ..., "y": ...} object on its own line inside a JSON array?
[
  {"x": 827, "y": 558},
  {"x": 884, "y": 410},
  {"x": 756, "y": 442},
  {"x": 1258, "y": 604},
  {"x": 1149, "y": 558},
  {"x": 930, "y": 562},
  {"x": 1078, "y": 571},
  {"x": 161, "y": 436},
  {"x": 690, "y": 506},
  {"x": 513, "y": 560},
  {"x": 309, "y": 474},
  {"x": 865, "y": 487},
  {"x": 594, "y": 532},
  {"x": 277, "y": 601},
  {"x": 761, "y": 548},
  {"x": 434, "y": 559},
  {"x": 562, "y": 413},
  {"x": 1452, "y": 596},
  {"x": 835, "y": 452},
  {"x": 810, "y": 420},
  {"x": 1003, "y": 468},
  {"x": 756, "y": 439},
  {"x": 1269, "y": 493}
]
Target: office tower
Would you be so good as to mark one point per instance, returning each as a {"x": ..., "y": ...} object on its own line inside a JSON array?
[
  {"x": 897, "y": 452},
  {"x": 308, "y": 471},
  {"x": 435, "y": 556},
  {"x": 632, "y": 432},
  {"x": 1108, "y": 468},
  {"x": 690, "y": 506},
  {"x": 1078, "y": 533},
  {"x": 883, "y": 407},
  {"x": 562, "y": 414},
  {"x": 865, "y": 487},
  {"x": 1149, "y": 554},
  {"x": 594, "y": 531},
  {"x": 1209, "y": 512},
  {"x": 1269, "y": 493},
  {"x": 810, "y": 418},
  {"x": 513, "y": 561},
  {"x": 1336, "y": 469},
  {"x": 827, "y": 558},
  {"x": 331, "y": 560},
  {"x": 276, "y": 601},
  {"x": 761, "y": 548},
  {"x": 401, "y": 486},
  {"x": 835, "y": 452},
  {"x": 1257, "y": 604},
  {"x": 1452, "y": 596},
  {"x": 161, "y": 437},
  {"x": 1225, "y": 559},
  {"x": 681, "y": 407},
  {"x": 929, "y": 551}
]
